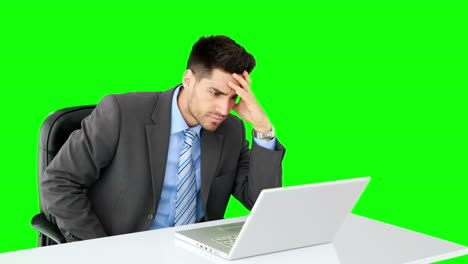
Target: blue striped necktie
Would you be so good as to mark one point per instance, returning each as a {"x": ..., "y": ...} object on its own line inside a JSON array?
[{"x": 186, "y": 183}]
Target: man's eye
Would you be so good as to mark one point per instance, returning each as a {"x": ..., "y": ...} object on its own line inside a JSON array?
[{"x": 214, "y": 93}]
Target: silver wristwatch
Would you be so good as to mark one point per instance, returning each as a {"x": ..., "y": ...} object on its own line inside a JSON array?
[{"x": 267, "y": 135}]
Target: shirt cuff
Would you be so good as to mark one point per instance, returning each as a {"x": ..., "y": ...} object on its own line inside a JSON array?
[{"x": 271, "y": 145}]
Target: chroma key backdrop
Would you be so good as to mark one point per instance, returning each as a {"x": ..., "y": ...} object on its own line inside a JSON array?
[{"x": 353, "y": 89}]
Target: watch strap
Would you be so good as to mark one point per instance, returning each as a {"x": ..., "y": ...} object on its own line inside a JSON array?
[{"x": 267, "y": 135}]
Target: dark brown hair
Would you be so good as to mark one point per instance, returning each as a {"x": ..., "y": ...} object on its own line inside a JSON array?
[{"x": 219, "y": 52}]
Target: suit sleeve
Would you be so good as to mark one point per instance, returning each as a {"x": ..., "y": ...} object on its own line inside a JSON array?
[
  {"x": 258, "y": 168},
  {"x": 76, "y": 167}
]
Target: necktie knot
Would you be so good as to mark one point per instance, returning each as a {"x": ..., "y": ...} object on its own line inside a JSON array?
[{"x": 189, "y": 136}]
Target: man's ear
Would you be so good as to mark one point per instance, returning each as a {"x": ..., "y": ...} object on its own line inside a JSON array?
[{"x": 189, "y": 79}]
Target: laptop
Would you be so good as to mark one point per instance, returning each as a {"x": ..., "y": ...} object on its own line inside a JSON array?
[{"x": 282, "y": 219}]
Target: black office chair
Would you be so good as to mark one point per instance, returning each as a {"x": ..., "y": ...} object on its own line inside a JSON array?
[{"x": 55, "y": 130}]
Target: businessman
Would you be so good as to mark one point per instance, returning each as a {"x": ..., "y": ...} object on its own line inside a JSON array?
[{"x": 150, "y": 160}]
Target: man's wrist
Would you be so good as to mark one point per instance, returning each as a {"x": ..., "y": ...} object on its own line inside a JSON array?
[{"x": 263, "y": 129}]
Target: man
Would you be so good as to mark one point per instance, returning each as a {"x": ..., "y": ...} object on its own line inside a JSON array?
[{"x": 157, "y": 159}]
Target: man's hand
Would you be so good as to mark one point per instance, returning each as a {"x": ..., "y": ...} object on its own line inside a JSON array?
[{"x": 248, "y": 108}]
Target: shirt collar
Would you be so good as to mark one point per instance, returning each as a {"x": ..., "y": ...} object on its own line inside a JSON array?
[{"x": 178, "y": 123}]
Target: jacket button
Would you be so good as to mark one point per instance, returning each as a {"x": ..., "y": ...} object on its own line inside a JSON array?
[{"x": 150, "y": 216}]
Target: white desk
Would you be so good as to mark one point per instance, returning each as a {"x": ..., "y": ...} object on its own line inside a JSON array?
[{"x": 360, "y": 241}]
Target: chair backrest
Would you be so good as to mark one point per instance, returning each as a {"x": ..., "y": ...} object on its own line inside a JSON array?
[{"x": 54, "y": 132}]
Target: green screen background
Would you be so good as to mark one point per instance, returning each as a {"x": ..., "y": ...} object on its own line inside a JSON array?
[{"x": 353, "y": 89}]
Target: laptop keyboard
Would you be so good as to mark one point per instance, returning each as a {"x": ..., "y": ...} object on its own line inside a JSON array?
[{"x": 227, "y": 241}]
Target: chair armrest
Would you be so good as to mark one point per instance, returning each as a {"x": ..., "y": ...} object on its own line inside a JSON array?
[{"x": 41, "y": 224}]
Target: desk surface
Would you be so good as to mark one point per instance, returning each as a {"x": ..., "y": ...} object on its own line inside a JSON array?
[{"x": 360, "y": 241}]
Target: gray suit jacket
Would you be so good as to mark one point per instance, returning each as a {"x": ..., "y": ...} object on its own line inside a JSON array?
[{"x": 108, "y": 176}]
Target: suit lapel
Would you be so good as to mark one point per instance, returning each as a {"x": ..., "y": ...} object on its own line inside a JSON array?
[
  {"x": 157, "y": 135},
  {"x": 211, "y": 145}
]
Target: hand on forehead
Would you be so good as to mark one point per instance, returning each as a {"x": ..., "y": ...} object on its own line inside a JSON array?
[{"x": 220, "y": 80}]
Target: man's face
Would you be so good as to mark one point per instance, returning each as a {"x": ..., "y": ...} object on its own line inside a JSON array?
[{"x": 211, "y": 99}]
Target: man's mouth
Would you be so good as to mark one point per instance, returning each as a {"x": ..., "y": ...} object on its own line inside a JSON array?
[{"x": 216, "y": 119}]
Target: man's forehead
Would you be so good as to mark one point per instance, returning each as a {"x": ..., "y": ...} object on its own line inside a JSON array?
[
  {"x": 221, "y": 87},
  {"x": 223, "y": 90},
  {"x": 218, "y": 80}
]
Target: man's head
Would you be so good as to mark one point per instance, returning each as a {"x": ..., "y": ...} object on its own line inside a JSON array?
[
  {"x": 218, "y": 52},
  {"x": 207, "y": 98}
]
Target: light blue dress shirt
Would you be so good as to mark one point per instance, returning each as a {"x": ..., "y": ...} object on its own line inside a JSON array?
[{"x": 166, "y": 208}]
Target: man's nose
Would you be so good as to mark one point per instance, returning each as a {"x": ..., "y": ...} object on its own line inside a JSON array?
[{"x": 224, "y": 107}]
